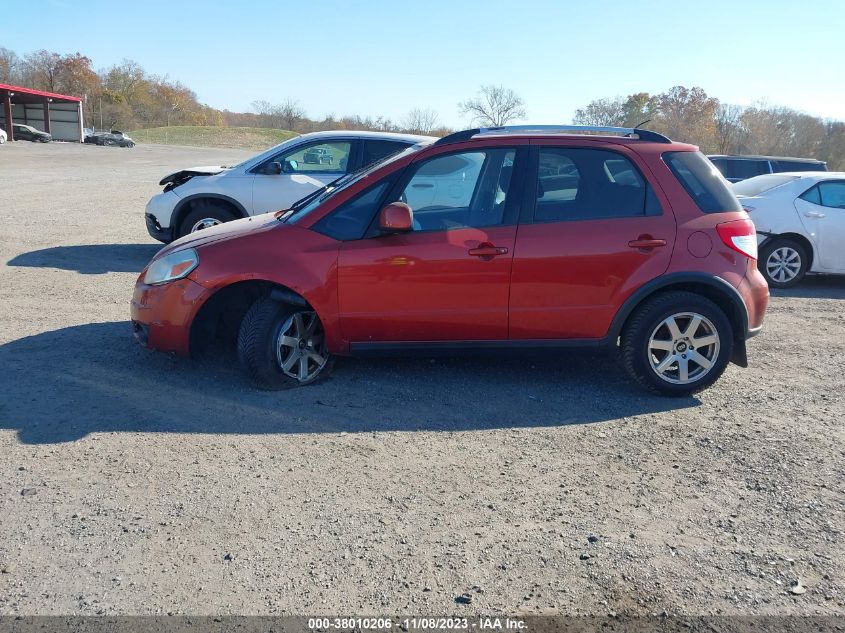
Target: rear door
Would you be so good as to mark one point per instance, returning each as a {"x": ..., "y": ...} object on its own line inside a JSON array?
[{"x": 596, "y": 231}]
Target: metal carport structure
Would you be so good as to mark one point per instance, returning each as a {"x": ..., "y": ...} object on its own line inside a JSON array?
[{"x": 59, "y": 115}]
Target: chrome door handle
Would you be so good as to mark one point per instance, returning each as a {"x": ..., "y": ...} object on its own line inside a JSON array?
[{"x": 813, "y": 214}]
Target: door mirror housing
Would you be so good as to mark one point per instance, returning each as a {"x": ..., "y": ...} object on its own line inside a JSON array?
[
  {"x": 396, "y": 217},
  {"x": 272, "y": 169},
  {"x": 290, "y": 166}
]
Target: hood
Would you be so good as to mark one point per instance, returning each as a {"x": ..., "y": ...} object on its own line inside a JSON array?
[
  {"x": 225, "y": 231},
  {"x": 186, "y": 174}
]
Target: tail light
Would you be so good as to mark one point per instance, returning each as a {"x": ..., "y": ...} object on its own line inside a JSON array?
[{"x": 740, "y": 235}]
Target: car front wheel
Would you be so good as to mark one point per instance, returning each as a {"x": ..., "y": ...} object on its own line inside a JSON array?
[
  {"x": 783, "y": 263},
  {"x": 677, "y": 343},
  {"x": 281, "y": 346},
  {"x": 204, "y": 215}
]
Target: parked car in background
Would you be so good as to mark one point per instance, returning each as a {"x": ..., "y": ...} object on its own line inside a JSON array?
[
  {"x": 197, "y": 198},
  {"x": 800, "y": 220},
  {"x": 738, "y": 168},
  {"x": 110, "y": 138},
  {"x": 534, "y": 239},
  {"x": 319, "y": 156},
  {"x": 3, "y": 136},
  {"x": 28, "y": 133}
]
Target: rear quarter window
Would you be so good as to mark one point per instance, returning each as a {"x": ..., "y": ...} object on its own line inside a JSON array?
[{"x": 702, "y": 181}]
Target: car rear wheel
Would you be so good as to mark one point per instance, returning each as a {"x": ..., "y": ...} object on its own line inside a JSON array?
[
  {"x": 204, "y": 215},
  {"x": 783, "y": 263},
  {"x": 281, "y": 346},
  {"x": 677, "y": 343}
]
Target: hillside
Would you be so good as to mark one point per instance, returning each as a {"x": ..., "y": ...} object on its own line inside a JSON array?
[{"x": 235, "y": 137}]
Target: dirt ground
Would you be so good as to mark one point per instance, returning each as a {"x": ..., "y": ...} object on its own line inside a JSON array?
[{"x": 137, "y": 483}]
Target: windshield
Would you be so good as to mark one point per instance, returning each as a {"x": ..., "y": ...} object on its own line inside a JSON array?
[
  {"x": 313, "y": 201},
  {"x": 760, "y": 184}
]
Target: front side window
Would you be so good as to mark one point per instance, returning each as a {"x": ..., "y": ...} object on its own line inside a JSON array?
[
  {"x": 317, "y": 158},
  {"x": 467, "y": 189},
  {"x": 702, "y": 182},
  {"x": 590, "y": 184},
  {"x": 832, "y": 194},
  {"x": 351, "y": 219}
]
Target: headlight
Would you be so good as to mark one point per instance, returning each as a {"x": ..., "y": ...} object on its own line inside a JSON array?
[{"x": 172, "y": 266}]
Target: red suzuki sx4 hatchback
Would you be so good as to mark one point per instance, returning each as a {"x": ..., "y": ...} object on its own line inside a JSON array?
[{"x": 517, "y": 237}]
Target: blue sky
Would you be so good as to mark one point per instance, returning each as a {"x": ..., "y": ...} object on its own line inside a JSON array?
[{"x": 385, "y": 57}]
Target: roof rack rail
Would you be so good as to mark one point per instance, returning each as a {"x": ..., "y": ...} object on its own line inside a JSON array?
[{"x": 629, "y": 132}]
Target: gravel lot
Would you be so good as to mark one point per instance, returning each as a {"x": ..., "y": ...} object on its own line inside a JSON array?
[{"x": 137, "y": 483}]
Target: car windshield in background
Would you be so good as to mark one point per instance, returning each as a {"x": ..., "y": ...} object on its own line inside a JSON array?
[
  {"x": 760, "y": 184},
  {"x": 702, "y": 181},
  {"x": 339, "y": 185}
]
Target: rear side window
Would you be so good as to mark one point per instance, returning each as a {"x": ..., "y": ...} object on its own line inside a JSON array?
[
  {"x": 589, "y": 184},
  {"x": 832, "y": 194},
  {"x": 788, "y": 165},
  {"x": 743, "y": 168},
  {"x": 812, "y": 195},
  {"x": 702, "y": 181},
  {"x": 376, "y": 150}
]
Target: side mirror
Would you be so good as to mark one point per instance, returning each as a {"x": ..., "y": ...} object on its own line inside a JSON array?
[
  {"x": 396, "y": 217},
  {"x": 272, "y": 169},
  {"x": 290, "y": 166}
]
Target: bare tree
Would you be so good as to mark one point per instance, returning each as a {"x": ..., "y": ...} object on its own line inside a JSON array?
[
  {"x": 290, "y": 113},
  {"x": 729, "y": 129},
  {"x": 9, "y": 66},
  {"x": 421, "y": 121},
  {"x": 494, "y": 106}
]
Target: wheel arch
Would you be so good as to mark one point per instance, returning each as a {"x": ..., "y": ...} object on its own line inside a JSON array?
[
  {"x": 221, "y": 314},
  {"x": 186, "y": 205},
  {"x": 722, "y": 293},
  {"x": 803, "y": 240}
]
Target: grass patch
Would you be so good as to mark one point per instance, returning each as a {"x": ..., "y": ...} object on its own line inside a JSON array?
[{"x": 256, "y": 138}]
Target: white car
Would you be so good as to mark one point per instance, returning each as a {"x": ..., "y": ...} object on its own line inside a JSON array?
[
  {"x": 3, "y": 136},
  {"x": 200, "y": 197},
  {"x": 800, "y": 220}
]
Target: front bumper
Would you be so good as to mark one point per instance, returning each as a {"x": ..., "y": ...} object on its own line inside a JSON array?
[
  {"x": 162, "y": 315},
  {"x": 156, "y": 231}
]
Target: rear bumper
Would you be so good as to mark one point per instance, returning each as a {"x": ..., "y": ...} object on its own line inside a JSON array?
[
  {"x": 755, "y": 294},
  {"x": 162, "y": 315}
]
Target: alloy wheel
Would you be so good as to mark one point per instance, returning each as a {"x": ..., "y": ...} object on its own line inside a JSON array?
[
  {"x": 205, "y": 223},
  {"x": 783, "y": 264},
  {"x": 301, "y": 346},
  {"x": 683, "y": 348}
]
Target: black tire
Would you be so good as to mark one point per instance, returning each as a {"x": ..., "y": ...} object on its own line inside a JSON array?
[
  {"x": 647, "y": 319},
  {"x": 205, "y": 210},
  {"x": 776, "y": 249},
  {"x": 259, "y": 333}
]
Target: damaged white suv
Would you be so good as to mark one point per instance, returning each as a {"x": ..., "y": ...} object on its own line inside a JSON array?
[{"x": 196, "y": 198}]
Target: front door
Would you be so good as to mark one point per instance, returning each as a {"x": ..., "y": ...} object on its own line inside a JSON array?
[
  {"x": 598, "y": 232},
  {"x": 448, "y": 279},
  {"x": 310, "y": 167},
  {"x": 822, "y": 211}
]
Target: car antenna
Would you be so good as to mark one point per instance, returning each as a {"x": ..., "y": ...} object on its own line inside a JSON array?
[{"x": 637, "y": 126}]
